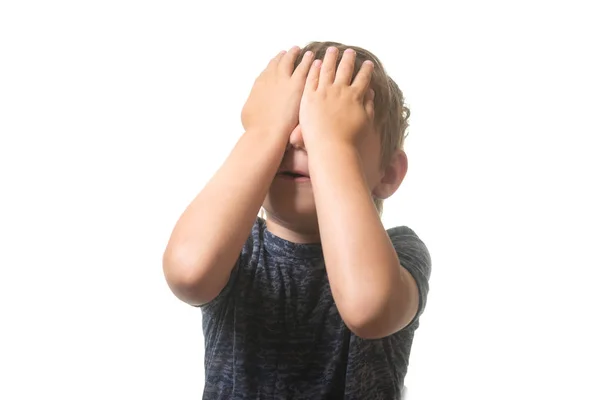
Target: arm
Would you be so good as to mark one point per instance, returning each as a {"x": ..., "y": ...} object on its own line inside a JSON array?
[
  {"x": 374, "y": 294},
  {"x": 205, "y": 244},
  {"x": 209, "y": 236}
]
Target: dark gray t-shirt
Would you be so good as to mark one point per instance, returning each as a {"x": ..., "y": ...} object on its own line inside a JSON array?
[{"x": 274, "y": 331}]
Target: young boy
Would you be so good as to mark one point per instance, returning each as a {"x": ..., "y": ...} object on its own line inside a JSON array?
[{"x": 317, "y": 300}]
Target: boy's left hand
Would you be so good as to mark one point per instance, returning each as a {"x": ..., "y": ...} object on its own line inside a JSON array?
[{"x": 334, "y": 107}]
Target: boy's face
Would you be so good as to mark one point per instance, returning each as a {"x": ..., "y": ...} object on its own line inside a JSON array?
[{"x": 290, "y": 200}]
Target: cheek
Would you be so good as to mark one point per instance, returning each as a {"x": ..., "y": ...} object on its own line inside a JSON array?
[{"x": 373, "y": 175}]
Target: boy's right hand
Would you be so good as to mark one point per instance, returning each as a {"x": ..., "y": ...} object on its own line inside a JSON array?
[{"x": 274, "y": 101}]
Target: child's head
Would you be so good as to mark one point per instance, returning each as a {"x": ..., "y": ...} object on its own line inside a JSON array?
[
  {"x": 381, "y": 151},
  {"x": 391, "y": 114}
]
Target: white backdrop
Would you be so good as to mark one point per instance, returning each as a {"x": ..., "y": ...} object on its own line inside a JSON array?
[{"x": 114, "y": 114}]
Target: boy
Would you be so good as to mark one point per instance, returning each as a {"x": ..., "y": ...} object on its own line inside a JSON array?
[{"x": 318, "y": 300}]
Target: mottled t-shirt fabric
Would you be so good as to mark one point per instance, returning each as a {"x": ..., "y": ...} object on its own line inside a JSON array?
[{"x": 274, "y": 331}]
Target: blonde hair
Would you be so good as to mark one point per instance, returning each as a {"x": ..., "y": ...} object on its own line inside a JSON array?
[{"x": 391, "y": 114}]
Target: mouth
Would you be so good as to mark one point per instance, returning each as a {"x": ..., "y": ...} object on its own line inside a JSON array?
[{"x": 293, "y": 176}]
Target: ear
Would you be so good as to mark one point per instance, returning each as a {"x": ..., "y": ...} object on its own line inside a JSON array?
[{"x": 393, "y": 175}]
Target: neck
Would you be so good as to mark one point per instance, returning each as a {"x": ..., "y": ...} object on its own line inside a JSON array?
[{"x": 295, "y": 233}]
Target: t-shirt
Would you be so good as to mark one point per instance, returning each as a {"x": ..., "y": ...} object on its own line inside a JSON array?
[{"x": 274, "y": 331}]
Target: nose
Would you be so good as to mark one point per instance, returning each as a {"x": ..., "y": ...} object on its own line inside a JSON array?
[{"x": 296, "y": 140}]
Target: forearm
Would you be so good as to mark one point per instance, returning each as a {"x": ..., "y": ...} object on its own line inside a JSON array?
[
  {"x": 369, "y": 286},
  {"x": 208, "y": 237}
]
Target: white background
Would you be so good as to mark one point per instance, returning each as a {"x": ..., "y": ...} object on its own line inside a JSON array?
[{"x": 114, "y": 114}]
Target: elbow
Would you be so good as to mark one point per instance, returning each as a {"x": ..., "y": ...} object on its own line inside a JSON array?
[
  {"x": 384, "y": 310},
  {"x": 377, "y": 324},
  {"x": 378, "y": 317},
  {"x": 188, "y": 279},
  {"x": 368, "y": 324}
]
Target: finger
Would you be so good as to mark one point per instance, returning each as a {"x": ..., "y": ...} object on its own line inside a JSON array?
[
  {"x": 312, "y": 80},
  {"x": 345, "y": 70},
  {"x": 275, "y": 60},
  {"x": 304, "y": 66},
  {"x": 328, "y": 68},
  {"x": 286, "y": 64},
  {"x": 370, "y": 103},
  {"x": 363, "y": 78}
]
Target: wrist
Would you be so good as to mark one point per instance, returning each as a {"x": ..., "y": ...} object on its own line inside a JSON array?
[
  {"x": 269, "y": 135},
  {"x": 330, "y": 147},
  {"x": 331, "y": 154},
  {"x": 265, "y": 144}
]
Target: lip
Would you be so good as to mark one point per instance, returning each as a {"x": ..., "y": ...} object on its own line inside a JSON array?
[
  {"x": 294, "y": 179},
  {"x": 285, "y": 175}
]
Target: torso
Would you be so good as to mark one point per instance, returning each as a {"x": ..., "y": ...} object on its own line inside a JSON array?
[{"x": 275, "y": 333}]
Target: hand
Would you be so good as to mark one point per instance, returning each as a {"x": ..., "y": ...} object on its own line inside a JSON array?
[
  {"x": 333, "y": 106},
  {"x": 274, "y": 101}
]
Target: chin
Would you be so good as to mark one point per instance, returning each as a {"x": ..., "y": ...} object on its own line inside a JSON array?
[{"x": 293, "y": 211}]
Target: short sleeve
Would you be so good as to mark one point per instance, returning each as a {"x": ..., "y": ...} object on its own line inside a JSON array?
[{"x": 415, "y": 258}]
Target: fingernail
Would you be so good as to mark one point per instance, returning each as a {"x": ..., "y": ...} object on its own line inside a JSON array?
[
  {"x": 308, "y": 54},
  {"x": 332, "y": 49},
  {"x": 349, "y": 51}
]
